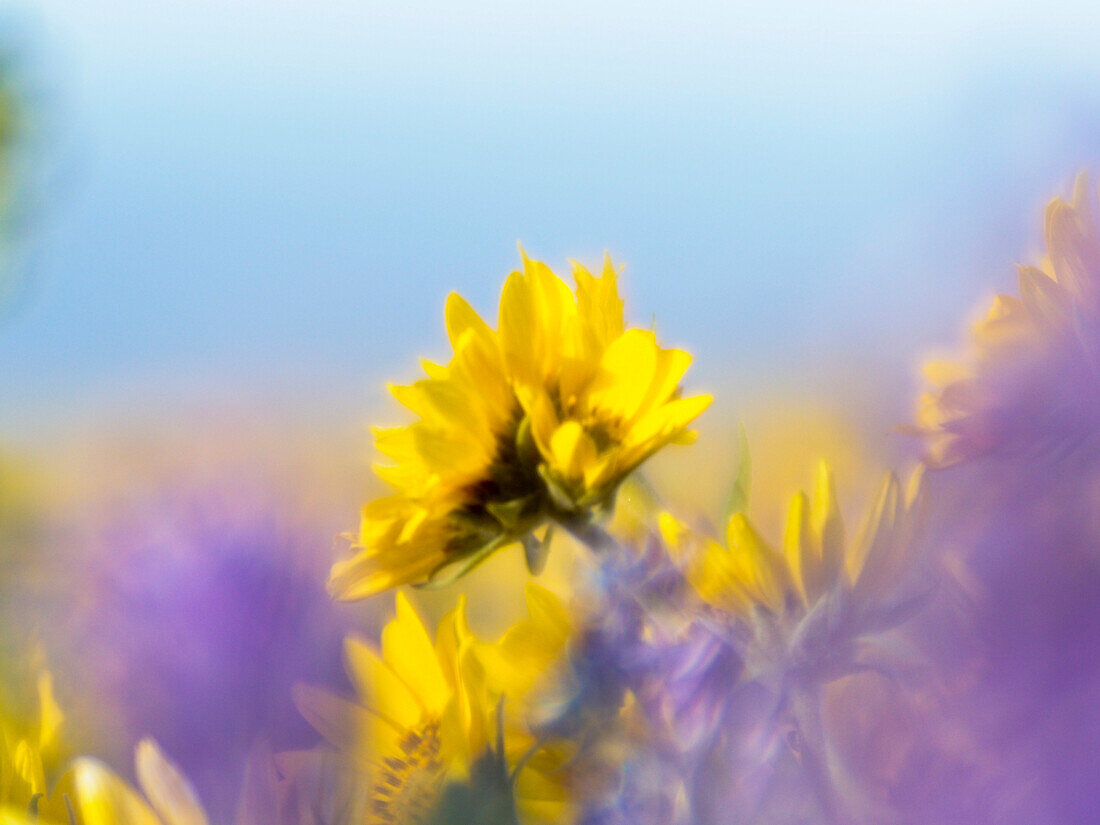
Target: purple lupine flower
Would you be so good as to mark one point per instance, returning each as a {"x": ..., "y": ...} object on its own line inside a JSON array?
[
  {"x": 191, "y": 611},
  {"x": 653, "y": 678}
]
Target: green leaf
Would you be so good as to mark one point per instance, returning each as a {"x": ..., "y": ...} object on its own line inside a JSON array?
[
  {"x": 485, "y": 798},
  {"x": 738, "y": 499}
]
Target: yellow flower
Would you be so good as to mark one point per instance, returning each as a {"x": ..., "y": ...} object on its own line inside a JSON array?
[
  {"x": 89, "y": 793},
  {"x": 166, "y": 797},
  {"x": 536, "y": 421},
  {"x": 816, "y": 577},
  {"x": 27, "y": 751},
  {"x": 1031, "y": 378},
  {"x": 429, "y": 714},
  {"x": 805, "y": 615}
]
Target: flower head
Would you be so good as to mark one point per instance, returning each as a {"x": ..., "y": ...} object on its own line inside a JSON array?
[
  {"x": 809, "y": 602},
  {"x": 540, "y": 419},
  {"x": 432, "y": 716},
  {"x": 802, "y": 616},
  {"x": 1031, "y": 381}
]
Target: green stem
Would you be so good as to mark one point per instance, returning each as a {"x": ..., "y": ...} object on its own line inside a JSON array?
[{"x": 591, "y": 535}]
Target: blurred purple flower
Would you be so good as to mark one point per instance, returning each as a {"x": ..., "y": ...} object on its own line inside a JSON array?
[
  {"x": 653, "y": 678},
  {"x": 194, "y": 610}
]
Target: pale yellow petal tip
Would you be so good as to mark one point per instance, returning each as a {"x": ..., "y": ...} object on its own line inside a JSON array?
[
  {"x": 50, "y": 714},
  {"x": 824, "y": 483},
  {"x": 671, "y": 529},
  {"x": 461, "y": 622},
  {"x": 685, "y": 438},
  {"x": 453, "y": 302},
  {"x": 545, "y": 605},
  {"x": 355, "y": 643},
  {"x": 941, "y": 372},
  {"x": 578, "y": 268},
  {"x": 346, "y": 583},
  {"x": 737, "y": 528},
  {"x": 150, "y": 763},
  {"x": 90, "y": 777},
  {"x": 533, "y": 592},
  {"x": 146, "y": 750},
  {"x": 914, "y": 488},
  {"x": 1081, "y": 189},
  {"x": 404, "y": 610},
  {"x": 796, "y": 510}
]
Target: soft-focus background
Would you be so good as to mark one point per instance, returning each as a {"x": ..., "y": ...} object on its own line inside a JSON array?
[
  {"x": 236, "y": 221},
  {"x": 271, "y": 199}
]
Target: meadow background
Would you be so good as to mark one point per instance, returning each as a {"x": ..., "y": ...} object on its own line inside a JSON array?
[{"x": 237, "y": 221}]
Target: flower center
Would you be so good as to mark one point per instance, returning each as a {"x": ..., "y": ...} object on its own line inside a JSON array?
[{"x": 406, "y": 787}]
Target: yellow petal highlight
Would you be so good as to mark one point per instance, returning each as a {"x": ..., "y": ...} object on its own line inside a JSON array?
[{"x": 169, "y": 793}]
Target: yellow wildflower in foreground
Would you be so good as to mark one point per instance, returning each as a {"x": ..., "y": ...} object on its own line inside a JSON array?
[
  {"x": 166, "y": 797},
  {"x": 23, "y": 769},
  {"x": 810, "y": 599},
  {"x": 536, "y": 421},
  {"x": 1031, "y": 380},
  {"x": 431, "y": 714}
]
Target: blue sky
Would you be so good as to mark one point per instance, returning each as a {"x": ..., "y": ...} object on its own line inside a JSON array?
[{"x": 274, "y": 198}]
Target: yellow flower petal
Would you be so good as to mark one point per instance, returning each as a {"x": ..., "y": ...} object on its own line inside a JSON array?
[
  {"x": 572, "y": 450},
  {"x": 827, "y": 524},
  {"x": 104, "y": 799},
  {"x": 410, "y": 653},
  {"x": 377, "y": 683},
  {"x": 169, "y": 793},
  {"x": 763, "y": 568},
  {"x": 800, "y": 550}
]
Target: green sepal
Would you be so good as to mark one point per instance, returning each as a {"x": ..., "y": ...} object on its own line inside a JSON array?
[
  {"x": 527, "y": 449},
  {"x": 512, "y": 514},
  {"x": 559, "y": 497},
  {"x": 535, "y": 552},
  {"x": 737, "y": 501},
  {"x": 486, "y": 797}
]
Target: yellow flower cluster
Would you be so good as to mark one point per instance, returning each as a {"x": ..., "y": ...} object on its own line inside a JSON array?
[
  {"x": 814, "y": 561},
  {"x": 88, "y": 792},
  {"x": 539, "y": 420},
  {"x": 428, "y": 713}
]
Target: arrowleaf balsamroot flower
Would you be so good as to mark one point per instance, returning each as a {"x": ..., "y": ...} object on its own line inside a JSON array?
[
  {"x": 434, "y": 716},
  {"x": 803, "y": 617},
  {"x": 536, "y": 421},
  {"x": 166, "y": 797},
  {"x": 810, "y": 601},
  {"x": 1032, "y": 381}
]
